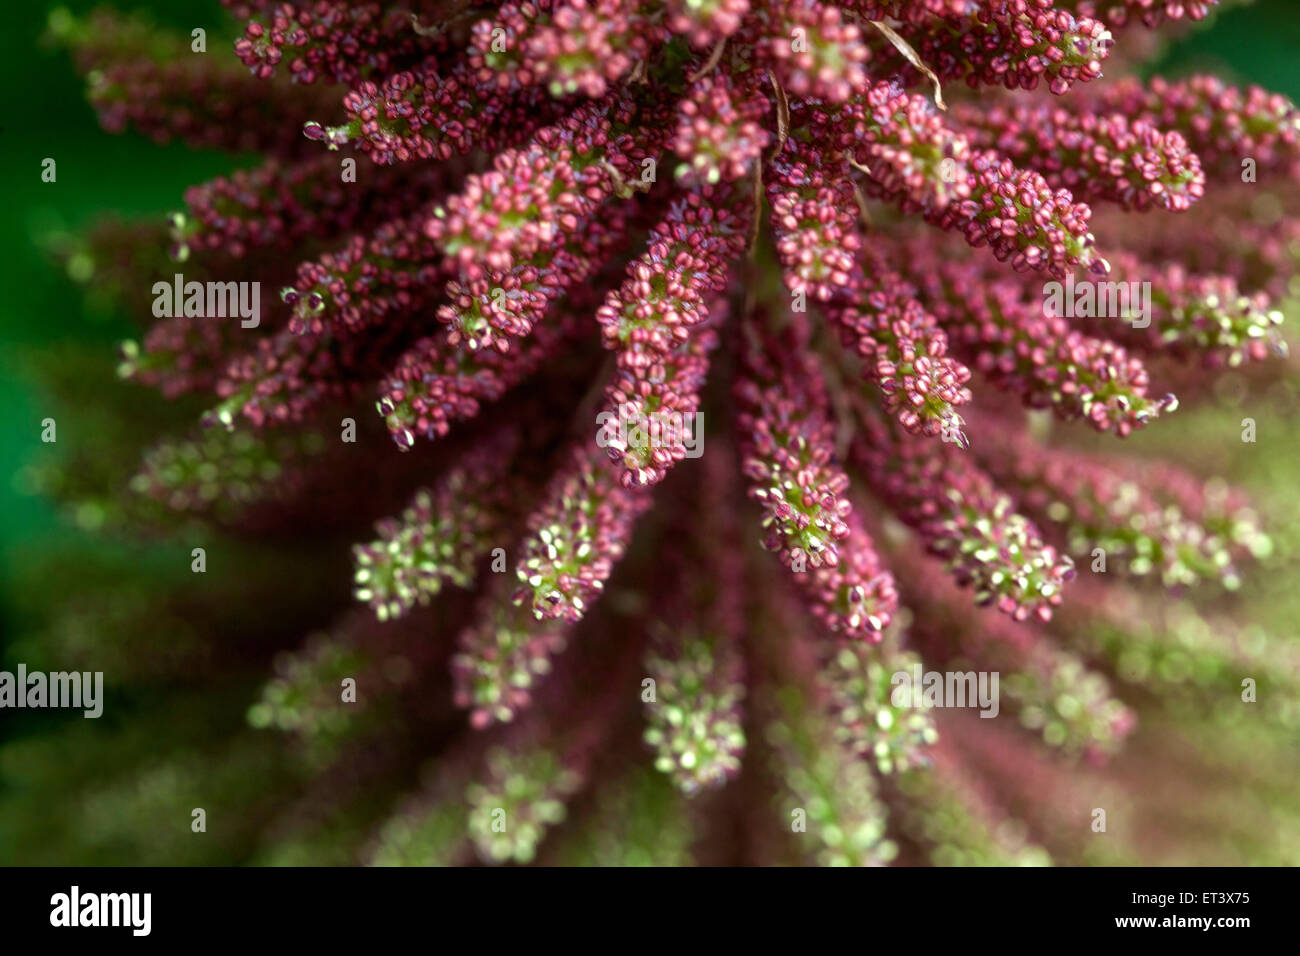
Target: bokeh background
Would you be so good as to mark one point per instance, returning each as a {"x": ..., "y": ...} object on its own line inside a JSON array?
[{"x": 108, "y": 791}]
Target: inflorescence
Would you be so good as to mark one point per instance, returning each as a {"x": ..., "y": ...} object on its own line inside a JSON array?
[{"x": 823, "y": 229}]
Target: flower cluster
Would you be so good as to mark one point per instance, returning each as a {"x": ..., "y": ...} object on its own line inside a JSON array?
[{"x": 826, "y": 228}]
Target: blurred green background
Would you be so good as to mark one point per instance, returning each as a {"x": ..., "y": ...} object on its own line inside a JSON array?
[{"x": 46, "y": 116}]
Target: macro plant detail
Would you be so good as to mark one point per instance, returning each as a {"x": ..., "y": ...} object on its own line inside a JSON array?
[{"x": 819, "y": 234}]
